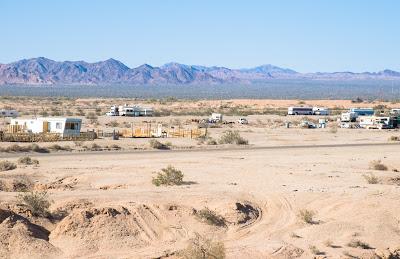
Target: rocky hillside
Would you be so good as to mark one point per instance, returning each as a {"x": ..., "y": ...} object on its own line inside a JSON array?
[{"x": 43, "y": 71}]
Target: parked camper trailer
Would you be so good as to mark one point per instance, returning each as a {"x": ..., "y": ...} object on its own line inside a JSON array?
[
  {"x": 63, "y": 126},
  {"x": 129, "y": 110},
  {"x": 300, "y": 110},
  {"x": 348, "y": 117},
  {"x": 395, "y": 111},
  {"x": 320, "y": 111},
  {"x": 215, "y": 117},
  {"x": 374, "y": 122},
  {"x": 363, "y": 111},
  {"x": 8, "y": 113}
]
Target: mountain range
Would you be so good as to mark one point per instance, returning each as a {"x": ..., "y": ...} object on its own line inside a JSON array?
[{"x": 43, "y": 71}]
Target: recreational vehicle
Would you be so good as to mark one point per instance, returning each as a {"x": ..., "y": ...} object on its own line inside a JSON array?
[
  {"x": 395, "y": 111},
  {"x": 374, "y": 122},
  {"x": 348, "y": 117},
  {"x": 63, "y": 126},
  {"x": 363, "y": 111},
  {"x": 300, "y": 110},
  {"x": 320, "y": 111},
  {"x": 215, "y": 117},
  {"x": 129, "y": 110},
  {"x": 8, "y": 113}
]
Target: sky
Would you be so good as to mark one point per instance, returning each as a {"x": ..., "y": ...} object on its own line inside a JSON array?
[{"x": 305, "y": 35}]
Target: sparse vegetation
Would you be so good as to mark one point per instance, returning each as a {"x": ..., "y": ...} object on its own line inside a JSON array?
[
  {"x": 307, "y": 216},
  {"x": 358, "y": 244},
  {"x": 210, "y": 217},
  {"x": 371, "y": 179},
  {"x": 203, "y": 248},
  {"x": 394, "y": 138},
  {"x": 57, "y": 147},
  {"x": 159, "y": 145},
  {"x": 168, "y": 176},
  {"x": 233, "y": 137},
  {"x": 20, "y": 149},
  {"x": 26, "y": 160},
  {"x": 37, "y": 202},
  {"x": 315, "y": 250},
  {"x": 7, "y": 165},
  {"x": 92, "y": 117},
  {"x": 377, "y": 165}
]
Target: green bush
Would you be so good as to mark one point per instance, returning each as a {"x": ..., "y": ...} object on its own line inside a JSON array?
[
  {"x": 232, "y": 137},
  {"x": 37, "y": 202},
  {"x": 168, "y": 176}
]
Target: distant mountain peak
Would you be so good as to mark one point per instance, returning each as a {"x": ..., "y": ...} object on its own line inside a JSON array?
[{"x": 44, "y": 71}]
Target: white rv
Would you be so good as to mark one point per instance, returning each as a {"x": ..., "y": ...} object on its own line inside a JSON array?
[
  {"x": 129, "y": 110},
  {"x": 216, "y": 117},
  {"x": 8, "y": 113},
  {"x": 320, "y": 111},
  {"x": 395, "y": 111},
  {"x": 374, "y": 122},
  {"x": 63, "y": 126},
  {"x": 348, "y": 117},
  {"x": 300, "y": 111}
]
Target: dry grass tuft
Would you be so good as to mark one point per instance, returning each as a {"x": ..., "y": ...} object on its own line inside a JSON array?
[
  {"x": 203, "y": 248},
  {"x": 7, "y": 165},
  {"x": 210, "y": 217},
  {"x": 307, "y": 216},
  {"x": 377, "y": 165},
  {"x": 371, "y": 179}
]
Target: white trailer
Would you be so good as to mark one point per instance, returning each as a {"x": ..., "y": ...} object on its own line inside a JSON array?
[
  {"x": 62, "y": 126},
  {"x": 132, "y": 111},
  {"x": 348, "y": 117},
  {"x": 320, "y": 111},
  {"x": 216, "y": 117}
]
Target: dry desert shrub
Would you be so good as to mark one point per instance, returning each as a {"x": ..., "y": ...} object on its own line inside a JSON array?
[
  {"x": 26, "y": 160},
  {"x": 159, "y": 145},
  {"x": 210, "y": 217},
  {"x": 168, "y": 176},
  {"x": 7, "y": 165},
  {"x": 315, "y": 250},
  {"x": 232, "y": 137},
  {"x": 371, "y": 179},
  {"x": 394, "y": 138},
  {"x": 358, "y": 244},
  {"x": 377, "y": 165},
  {"x": 307, "y": 216},
  {"x": 57, "y": 147},
  {"x": 203, "y": 248},
  {"x": 37, "y": 202}
]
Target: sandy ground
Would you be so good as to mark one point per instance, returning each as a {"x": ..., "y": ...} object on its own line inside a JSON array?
[{"x": 131, "y": 218}]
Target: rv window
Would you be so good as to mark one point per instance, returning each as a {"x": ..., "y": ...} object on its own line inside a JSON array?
[{"x": 58, "y": 125}]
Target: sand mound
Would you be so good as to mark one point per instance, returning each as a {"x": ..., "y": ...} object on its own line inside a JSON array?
[
  {"x": 114, "y": 228},
  {"x": 19, "y": 238},
  {"x": 64, "y": 183}
]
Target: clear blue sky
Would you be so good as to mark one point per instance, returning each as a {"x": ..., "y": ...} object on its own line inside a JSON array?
[{"x": 306, "y": 35}]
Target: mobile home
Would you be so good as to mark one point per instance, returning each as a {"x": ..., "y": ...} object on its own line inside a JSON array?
[
  {"x": 300, "y": 110},
  {"x": 63, "y": 126},
  {"x": 376, "y": 122}
]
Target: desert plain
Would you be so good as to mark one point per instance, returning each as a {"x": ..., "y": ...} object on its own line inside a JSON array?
[{"x": 289, "y": 193}]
